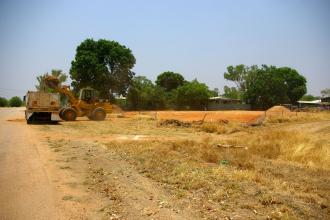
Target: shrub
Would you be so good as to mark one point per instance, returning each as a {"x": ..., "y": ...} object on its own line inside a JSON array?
[
  {"x": 15, "y": 102},
  {"x": 3, "y": 102}
]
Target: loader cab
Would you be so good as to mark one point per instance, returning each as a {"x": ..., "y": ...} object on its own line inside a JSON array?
[{"x": 88, "y": 95}]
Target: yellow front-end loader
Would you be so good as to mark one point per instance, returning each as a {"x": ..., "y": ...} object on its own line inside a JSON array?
[{"x": 88, "y": 103}]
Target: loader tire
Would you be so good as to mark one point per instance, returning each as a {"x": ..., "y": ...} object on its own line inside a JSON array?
[
  {"x": 99, "y": 114},
  {"x": 61, "y": 113},
  {"x": 69, "y": 114}
]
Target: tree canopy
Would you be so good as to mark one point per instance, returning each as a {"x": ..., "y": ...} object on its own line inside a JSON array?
[
  {"x": 15, "y": 102},
  {"x": 169, "y": 80},
  {"x": 309, "y": 98},
  {"x": 104, "y": 65},
  {"x": 3, "y": 102},
  {"x": 143, "y": 94},
  {"x": 237, "y": 74},
  {"x": 296, "y": 83},
  {"x": 265, "y": 86},
  {"x": 232, "y": 92},
  {"x": 192, "y": 95}
]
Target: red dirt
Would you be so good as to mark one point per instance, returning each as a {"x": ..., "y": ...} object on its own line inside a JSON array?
[{"x": 208, "y": 116}]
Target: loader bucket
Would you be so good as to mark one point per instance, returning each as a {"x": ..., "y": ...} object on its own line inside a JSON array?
[{"x": 52, "y": 82}]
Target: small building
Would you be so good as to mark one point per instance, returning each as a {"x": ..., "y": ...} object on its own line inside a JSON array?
[
  {"x": 223, "y": 103},
  {"x": 314, "y": 103},
  {"x": 323, "y": 103}
]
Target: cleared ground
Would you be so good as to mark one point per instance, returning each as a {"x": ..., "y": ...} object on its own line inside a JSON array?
[
  {"x": 135, "y": 166},
  {"x": 205, "y": 116}
]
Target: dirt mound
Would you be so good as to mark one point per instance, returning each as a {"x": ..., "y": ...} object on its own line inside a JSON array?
[{"x": 278, "y": 109}]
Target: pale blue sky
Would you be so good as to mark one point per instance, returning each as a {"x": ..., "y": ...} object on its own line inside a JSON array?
[{"x": 198, "y": 39}]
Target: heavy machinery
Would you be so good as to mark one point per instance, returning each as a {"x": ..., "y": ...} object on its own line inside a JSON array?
[
  {"x": 88, "y": 103},
  {"x": 42, "y": 107}
]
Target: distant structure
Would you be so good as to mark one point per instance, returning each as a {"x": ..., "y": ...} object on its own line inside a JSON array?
[
  {"x": 323, "y": 103},
  {"x": 223, "y": 103},
  {"x": 314, "y": 103}
]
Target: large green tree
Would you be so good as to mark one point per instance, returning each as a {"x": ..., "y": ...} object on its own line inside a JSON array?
[
  {"x": 143, "y": 94},
  {"x": 295, "y": 82},
  {"x": 266, "y": 85},
  {"x": 192, "y": 95},
  {"x": 265, "y": 88},
  {"x": 169, "y": 80},
  {"x": 104, "y": 65}
]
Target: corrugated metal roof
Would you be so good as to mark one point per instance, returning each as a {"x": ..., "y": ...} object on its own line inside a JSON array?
[
  {"x": 223, "y": 98},
  {"x": 310, "y": 102}
]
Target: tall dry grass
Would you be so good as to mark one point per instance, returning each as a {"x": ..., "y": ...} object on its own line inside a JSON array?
[
  {"x": 186, "y": 164},
  {"x": 194, "y": 169},
  {"x": 297, "y": 146},
  {"x": 220, "y": 128},
  {"x": 279, "y": 117}
]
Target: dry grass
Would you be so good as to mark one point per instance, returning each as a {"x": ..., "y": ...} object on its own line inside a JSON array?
[
  {"x": 296, "y": 146},
  {"x": 297, "y": 117},
  {"x": 220, "y": 128},
  {"x": 283, "y": 173},
  {"x": 252, "y": 179},
  {"x": 185, "y": 165}
]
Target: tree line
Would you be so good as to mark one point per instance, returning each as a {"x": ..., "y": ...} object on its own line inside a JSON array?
[
  {"x": 170, "y": 91},
  {"x": 12, "y": 102},
  {"x": 107, "y": 67}
]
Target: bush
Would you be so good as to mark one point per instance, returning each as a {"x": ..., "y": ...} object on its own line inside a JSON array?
[
  {"x": 15, "y": 102},
  {"x": 143, "y": 94},
  {"x": 3, "y": 102},
  {"x": 192, "y": 95}
]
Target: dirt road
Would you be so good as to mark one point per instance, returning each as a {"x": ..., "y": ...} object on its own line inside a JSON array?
[
  {"x": 26, "y": 191},
  {"x": 31, "y": 185}
]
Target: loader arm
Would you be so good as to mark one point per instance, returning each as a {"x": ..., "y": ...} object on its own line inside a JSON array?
[
  {"x": 54, "y": 83},
  {"x": 67, "y": 92}
]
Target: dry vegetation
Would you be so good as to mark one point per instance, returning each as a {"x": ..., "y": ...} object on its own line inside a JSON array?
[
  {"x": 279, "y": 117},
  {"x": 280, "y": 169}
]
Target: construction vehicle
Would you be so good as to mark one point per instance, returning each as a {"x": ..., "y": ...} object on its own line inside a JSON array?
[
  {"x": 42, "y": 107},
  {"x": 88, "y": 103}
]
